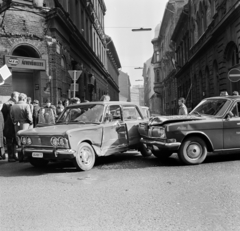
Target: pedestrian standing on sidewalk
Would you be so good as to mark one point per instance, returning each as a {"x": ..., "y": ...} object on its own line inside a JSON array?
[
  {"x": 2, "y": 149},
  {"x": 9, "y": 132},
  {"x": 59, "y": 108},
  {"x": 182, "y": 107},
  {"x": 66, "y": 103},
  {"x": 36, "y": 109},
  {"x": 29, "y": 101},
  {"x": 21, "y": 116},
  {"x": 105, "y": 98}
]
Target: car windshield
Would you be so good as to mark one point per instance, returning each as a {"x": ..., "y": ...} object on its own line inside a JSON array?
[
  {"x": 82, "y": 113},
  {"x": 212, "y": 107}
]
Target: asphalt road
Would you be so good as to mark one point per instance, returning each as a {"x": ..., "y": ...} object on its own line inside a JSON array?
[{"x": 123, "y": 192}]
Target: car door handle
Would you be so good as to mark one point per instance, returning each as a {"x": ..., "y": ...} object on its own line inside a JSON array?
[{"x": 238, "y": 124}]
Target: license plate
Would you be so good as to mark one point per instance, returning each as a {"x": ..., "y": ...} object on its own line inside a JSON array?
[{"x": 37, "y": 154}]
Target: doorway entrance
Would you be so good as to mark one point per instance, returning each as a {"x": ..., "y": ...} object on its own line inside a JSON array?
[{"x": 23, "y": 83}]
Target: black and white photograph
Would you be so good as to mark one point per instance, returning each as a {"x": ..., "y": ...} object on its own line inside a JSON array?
[{"x": 119, "y": 115}]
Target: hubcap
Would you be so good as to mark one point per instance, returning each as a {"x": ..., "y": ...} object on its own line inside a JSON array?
[
  {"x": 194, "y": 150},
  {"x": 85, "y": 156}
]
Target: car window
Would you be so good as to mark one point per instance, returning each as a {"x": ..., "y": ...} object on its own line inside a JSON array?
[
  {"x": 113, "y": 113},
  {"x": 236, "y": 110},
  {"x": 85, "y": 113},
  {"x": 214, "y": 107},
  {"x": 131, "y": 113}
]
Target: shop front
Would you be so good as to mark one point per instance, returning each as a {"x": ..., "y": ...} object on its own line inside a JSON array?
[{"x": 27, "y": 75}]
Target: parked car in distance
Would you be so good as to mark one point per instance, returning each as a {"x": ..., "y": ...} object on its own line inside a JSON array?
[
  {"x": 83, "y": 132},
  {"x": 212, "y": 126}
]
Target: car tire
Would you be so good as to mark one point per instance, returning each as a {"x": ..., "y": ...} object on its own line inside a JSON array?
[
  {"x": 193, "y": 150},
  {"x": 85, "y": 157},
  {"x": 39, "y": 163},
  {"x": 144, "y": 150},
  {"x": 162, "y": 154}
]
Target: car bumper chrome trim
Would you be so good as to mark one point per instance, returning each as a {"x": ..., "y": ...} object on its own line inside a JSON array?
[
  {"x": 50, "y": 153},
  {"x": 161, "y": 144}
]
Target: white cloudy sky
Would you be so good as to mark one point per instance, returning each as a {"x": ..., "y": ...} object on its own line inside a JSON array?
[{"x": 133, "y": 48}]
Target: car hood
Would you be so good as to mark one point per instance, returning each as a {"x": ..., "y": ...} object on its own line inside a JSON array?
[
  {"x": 160, "y": 120},
  {"x": 60, "y": 129}
]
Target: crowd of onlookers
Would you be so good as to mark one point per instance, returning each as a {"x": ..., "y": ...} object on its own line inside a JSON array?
[{"x": 20, "y": 113}]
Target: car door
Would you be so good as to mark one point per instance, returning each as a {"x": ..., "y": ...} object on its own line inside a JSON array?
[
  {"x": 115, "y": 135},
  {"x": 231, "y": 126},
  {"x": 132, "y": 117}
]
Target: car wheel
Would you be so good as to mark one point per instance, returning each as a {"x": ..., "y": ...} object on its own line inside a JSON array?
[
  {"x": 144, "y": 150},
  {"x": 193, "y": 151},
  {"x": 85, "y": 158},
  {"x": 39, "y": 163},
  {"x": 162, "y": 154}
]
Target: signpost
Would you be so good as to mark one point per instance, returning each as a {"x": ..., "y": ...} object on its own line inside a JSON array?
[
  {"x": 75, "y": 74},
  {"x": 234, "y": 75}
]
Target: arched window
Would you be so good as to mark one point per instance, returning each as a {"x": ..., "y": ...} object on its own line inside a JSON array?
[
  {"x": 205, "y": 10},
  {"x": 200, "y": 83},
  {"x": 157, "y": 78},
  {"x": 199, "y": 23},
  {"x": 207, "y": 82},
  {"x": 194, "y": 90},
  {"x": 215, "y": 78}
]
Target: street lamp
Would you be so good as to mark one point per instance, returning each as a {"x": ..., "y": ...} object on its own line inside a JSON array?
[{"x": 141, "y": 29}]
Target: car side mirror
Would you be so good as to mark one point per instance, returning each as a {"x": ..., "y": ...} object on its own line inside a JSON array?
[{"x": 229, "y": 115}]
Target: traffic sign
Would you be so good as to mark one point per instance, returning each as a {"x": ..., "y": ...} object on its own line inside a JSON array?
[
  {"x": 76, "y": 72},
  {"x": 4, "y": 74},
  {"x": 76, "y": 87},
  {"x": 234, "y": 75}
]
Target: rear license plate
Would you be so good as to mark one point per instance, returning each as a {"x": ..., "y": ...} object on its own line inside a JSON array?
[{"x": 37, "y": 155}]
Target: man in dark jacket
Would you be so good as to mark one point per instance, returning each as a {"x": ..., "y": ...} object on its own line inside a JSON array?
[
  {"x": 21, "y": 116},
  {"x": 9, "y": 131}
]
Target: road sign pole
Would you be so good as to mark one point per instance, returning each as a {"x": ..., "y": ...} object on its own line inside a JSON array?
[{"x": 74, "y": 83}]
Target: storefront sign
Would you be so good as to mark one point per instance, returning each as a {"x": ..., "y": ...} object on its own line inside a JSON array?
[{"x": 25, "y": 62}]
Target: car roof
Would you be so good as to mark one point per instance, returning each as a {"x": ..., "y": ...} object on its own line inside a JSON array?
[
  {"x": 231, "y": 97},
  {"x": 105, "y": 103}
]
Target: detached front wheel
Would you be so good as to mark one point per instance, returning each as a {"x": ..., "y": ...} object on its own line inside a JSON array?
[
  {"x": 193, "y": 151},
  {"x": 144, "y": 150},
  {"x": 162, "y": 154},
  {"x": 85, "y": 157}
]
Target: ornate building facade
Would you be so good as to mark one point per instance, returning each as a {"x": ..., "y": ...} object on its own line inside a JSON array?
[
  {"x": 207, "y": 46},
  {"x": 165, "y": 85},
  {"x": 41, "y": 40}
]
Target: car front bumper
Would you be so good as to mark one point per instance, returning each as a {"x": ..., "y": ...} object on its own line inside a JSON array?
[
  {"x": 48, "y": 153},
  {"x": 170, "y": 145}
]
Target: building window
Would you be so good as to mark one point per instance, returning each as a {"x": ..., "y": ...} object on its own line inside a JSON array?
[
  {"x": 207, "y": 82},
  {"x": 215, "y": 78},
  {"x": 157, "y": 56}
]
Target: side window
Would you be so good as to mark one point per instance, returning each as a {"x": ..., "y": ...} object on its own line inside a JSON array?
[
  {"x": 236, "y": 110},
  {"x": 131, "y": 113},
  {"x": 113, "y": 113}
]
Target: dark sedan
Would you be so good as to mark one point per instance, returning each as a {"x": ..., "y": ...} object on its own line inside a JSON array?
[{"x": 212, "y": 126}]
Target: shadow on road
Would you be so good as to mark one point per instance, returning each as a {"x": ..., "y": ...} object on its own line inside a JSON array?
[{"x": 129, "y": 160}]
